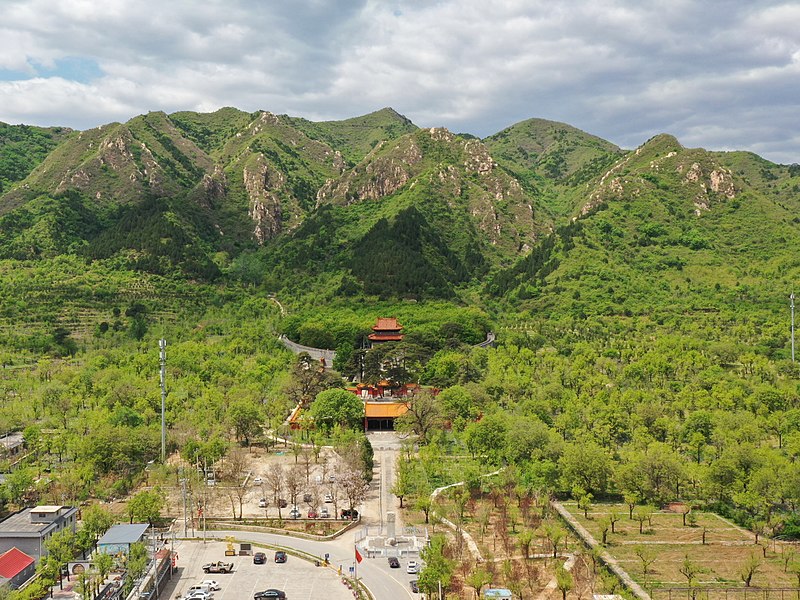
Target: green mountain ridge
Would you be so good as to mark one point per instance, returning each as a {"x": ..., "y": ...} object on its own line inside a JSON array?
[{"x": 302, "y": 204}]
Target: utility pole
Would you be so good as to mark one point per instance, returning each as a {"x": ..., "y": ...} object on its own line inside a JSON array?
[
  {"x": 791, "y": 299},
  {"x": 183, "y": 491},
  {"x": 162, "y": 344}
]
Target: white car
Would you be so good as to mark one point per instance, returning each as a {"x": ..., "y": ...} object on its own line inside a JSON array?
[
  {"x": 257, "y": 481},
  {"x": 413, "y": 567},
  {"x": 199, "y": 595},
  {"x": 212, "y": 584},
  {"x": 323, "y": 512},
  {"x": 328, "y": 498}
]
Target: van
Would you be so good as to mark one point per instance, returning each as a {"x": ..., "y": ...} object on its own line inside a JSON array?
[{"x": 200, "y": 587}]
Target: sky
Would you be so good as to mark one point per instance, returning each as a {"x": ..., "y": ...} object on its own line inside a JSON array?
[{"x": 717, "y": 74}]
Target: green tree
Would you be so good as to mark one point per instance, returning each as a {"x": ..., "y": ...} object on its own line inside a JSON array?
[
  {"x": 564, "y": 581},
  {"x": 437, "y": 568},
  {"x": 245, "y": 418},
  {"x": 146, "y": 506},
  {"x": 337, "y": 407}
]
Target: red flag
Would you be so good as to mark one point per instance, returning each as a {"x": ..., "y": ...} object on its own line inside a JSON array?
[{"x": 359, "y": 558}]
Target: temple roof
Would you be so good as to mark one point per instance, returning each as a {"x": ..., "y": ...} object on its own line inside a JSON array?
[{"x": 387, "y": 324}]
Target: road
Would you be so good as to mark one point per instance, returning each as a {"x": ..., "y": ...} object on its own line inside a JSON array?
[{"x": 383, "y": 582}]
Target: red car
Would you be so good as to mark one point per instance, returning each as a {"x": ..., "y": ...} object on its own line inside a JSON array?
[{"x": 312, "y": 514}]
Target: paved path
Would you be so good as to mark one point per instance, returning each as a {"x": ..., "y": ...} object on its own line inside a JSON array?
[{"x": 375, "y": 573}]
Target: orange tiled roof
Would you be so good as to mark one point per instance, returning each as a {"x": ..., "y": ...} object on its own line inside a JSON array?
[
  {"x": 387, "y": 324},
  {"x": 384, "y": 410}
]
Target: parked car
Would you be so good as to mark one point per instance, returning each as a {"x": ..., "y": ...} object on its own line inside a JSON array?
[
  {"x": 294, "y": 513},
  {"x": 199, "y": 590},
  {"x": 218, "y": 567},
  {"x": 280, "y": 556},
  {"x": 349, "y": 513},
  {"x": 283, "y": 503},
  {"x": 332, "y": 478},
  {"x": 198, "y": 595},
  {"x": 257, "y": 481},
  {"x": 323, "y": 513},
  {"x": 412, "y": 568},
  {"x": 262, "y": 503},
  {"x": 328, "y": 498},
  {"x": 271, "y": 593},
  {"x": 259, "y": 558},
  {"x": 414, "y": 586},
  {"x": 307, "y": 497},
  {"x": 212, "y": 584},
  {"x": 393, "y": 562},
  {"x": 312, "y": 514}
]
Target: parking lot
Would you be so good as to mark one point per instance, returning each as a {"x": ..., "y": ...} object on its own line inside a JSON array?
[{"x": 298, "y": 578}]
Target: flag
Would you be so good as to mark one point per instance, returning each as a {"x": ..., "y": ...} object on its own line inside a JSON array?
[{"x": 359, "y": 558}]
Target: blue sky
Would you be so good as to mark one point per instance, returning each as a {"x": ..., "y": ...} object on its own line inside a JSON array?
[{"x": 724, "y": 75}]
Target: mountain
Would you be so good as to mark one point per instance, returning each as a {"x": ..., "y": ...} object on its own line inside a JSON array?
[
  {"x": 376, "y": 205},
  {"x": 668, "y": 230}
]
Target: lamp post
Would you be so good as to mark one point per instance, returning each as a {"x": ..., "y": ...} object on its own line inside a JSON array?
[{"x": 162, "y": 344}]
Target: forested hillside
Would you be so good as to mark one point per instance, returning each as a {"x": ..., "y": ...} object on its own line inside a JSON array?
[{"x": 640, "y": 299}]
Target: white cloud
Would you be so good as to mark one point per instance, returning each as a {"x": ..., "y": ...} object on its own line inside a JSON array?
[{"x": 716, "y": 73}]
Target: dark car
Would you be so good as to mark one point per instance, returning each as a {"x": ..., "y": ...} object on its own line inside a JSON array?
[
  {"x": 414, "y": 586},
  {"x": 259, "y": 558},
  {"x": 282, "y": 503},
  {"x": 280, "y": 556},
  {"x": 270, "y": 593},
  {"x": 349, "y": 513},
  {"x": 393, "y": 562}
]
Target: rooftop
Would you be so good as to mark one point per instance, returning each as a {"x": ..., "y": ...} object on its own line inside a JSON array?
[
  {"x": 384, "y": 410},
  {"x": 14, "y": 562},
  {"x": 11, "y": 440},
  {"x": 387, "y": 324},
  {"x": 123, "y": 534},
  {"x": 19, "y": 524}
]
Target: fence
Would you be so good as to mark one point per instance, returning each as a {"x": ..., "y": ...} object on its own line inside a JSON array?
[{"x": 710, "y": 593}]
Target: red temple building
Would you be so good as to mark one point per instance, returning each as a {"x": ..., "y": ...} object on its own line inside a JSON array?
[{"x": 387, "y": 329}]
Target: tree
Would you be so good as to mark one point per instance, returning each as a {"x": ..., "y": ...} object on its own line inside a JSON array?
[
  {"x": 245, "y": 419},
  {"x": 477, "y": 579},
  {"x": 146, "y": 506},
  {"x": 690, "y": 570},
  {"x": 95, "y": 521},
  {"x": 749, "y": 569},
  {"x": 555, "y": 535},
  {"x": 337, "y": 407},
  {"x": 236, "y": 470},
  {"x": 104, "y": 563},
  {"x": 564, "y": 581},
  {"x": 525, "y": 539},
  {"x": 423, "y": 416},
  {"x": 437, "y": 568},
  {"x": 587, "y": 464},
  {"x": 276, "y": 481},
  {"x": 308, "y": 379},
  {"x": 646, "y": 555},
  {"x": 613, "y": 517}
]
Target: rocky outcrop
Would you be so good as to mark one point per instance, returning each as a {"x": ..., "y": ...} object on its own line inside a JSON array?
[
  {"x": 261, "y": 181},
  {"x": 375, "y": 177},
  {"x": 714, "y": 184}
]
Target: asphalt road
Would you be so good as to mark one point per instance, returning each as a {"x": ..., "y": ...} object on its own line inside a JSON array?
[{"x": 384, "y": 583}]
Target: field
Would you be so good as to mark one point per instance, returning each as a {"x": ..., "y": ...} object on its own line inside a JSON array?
[{"x": 707, "y": 552}]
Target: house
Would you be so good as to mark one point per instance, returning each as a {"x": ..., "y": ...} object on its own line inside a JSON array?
[
  {"x": 387, "y": 329},
  {"x": 380, "y": 416},
  {"x": 120, "y": 538},
  {"x": 16, "y": 568},
  {"x": 28, "y": 529},
  {"x": 11, "y": 445}
]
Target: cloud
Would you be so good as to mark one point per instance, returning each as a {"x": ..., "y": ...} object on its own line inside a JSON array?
[{"x": 718, "y": 73}]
